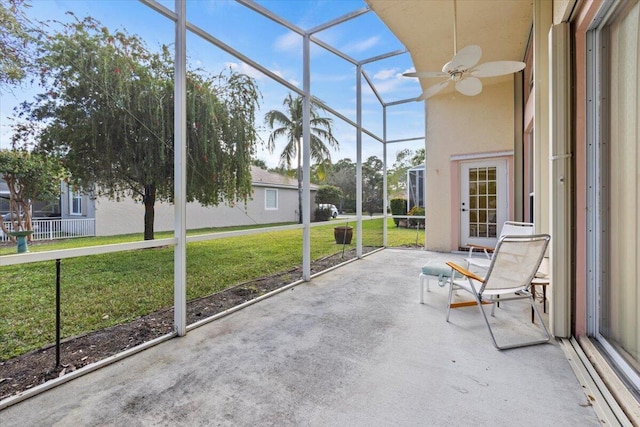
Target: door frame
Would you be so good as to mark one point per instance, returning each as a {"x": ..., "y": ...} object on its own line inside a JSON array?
[{"x": 457, "y": 161}]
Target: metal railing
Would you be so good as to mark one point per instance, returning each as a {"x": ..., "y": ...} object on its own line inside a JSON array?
[{"x": 57, "y": 228}]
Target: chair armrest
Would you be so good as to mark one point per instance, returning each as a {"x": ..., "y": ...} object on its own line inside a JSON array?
[
  {"x": 486, "y": 249},
  {"x": 465, "y": 272}
]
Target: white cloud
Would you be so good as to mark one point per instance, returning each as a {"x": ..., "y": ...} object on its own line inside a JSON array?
[
  {"x": 289, "y": 42},
  {"x": 244, "y": 68},
  {"x": 385, "y": 74},
  {"x": 361, "y": 46},
  {"x": 387, "y": 81},
  {"x": 388, "y": 86}
]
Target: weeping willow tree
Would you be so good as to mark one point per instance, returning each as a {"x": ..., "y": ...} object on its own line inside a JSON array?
[
  {"x": 15, "y": 42},
  {"x": 107, "y": 110}
]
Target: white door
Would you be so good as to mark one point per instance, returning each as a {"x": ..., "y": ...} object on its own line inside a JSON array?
[{"x": 484, "y": 201}]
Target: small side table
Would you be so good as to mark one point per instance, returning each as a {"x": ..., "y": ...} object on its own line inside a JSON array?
[{"x": 543, "y": 282}]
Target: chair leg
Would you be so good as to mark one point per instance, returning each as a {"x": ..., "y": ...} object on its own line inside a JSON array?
[
  {"x": 486, "y": 321},
  {"x": 533, "y": 295},
  {"x": 423, "y": 278},
  {"x": 451, "y": 286},
  {"x": 542, "y": 325},
  {"x": 521, "y": 344}
]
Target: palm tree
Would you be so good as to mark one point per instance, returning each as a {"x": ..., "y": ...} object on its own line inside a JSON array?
[{"x": 288, "y": 124}]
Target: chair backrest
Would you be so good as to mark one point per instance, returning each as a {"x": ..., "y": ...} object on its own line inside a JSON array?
[
  {"x": 515, "y": 262},
  {"x": 513, "y": 228}
]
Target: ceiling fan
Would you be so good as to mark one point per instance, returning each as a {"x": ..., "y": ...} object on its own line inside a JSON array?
[{"x": 464, "y": 70}]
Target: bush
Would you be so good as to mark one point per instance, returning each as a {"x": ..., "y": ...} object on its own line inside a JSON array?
[
  {"x": 398, "y": 207},
  {"x": 323, "y": 214},
  {"x": 328, "y": 194},
  {"x": 416, "y": 211}
]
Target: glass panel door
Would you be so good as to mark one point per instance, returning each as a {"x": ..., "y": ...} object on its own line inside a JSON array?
[
  {"x": 484, "y": 201},
  {"x": 618, "y": 319}
]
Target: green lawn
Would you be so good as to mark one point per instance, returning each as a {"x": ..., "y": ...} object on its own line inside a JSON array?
[{"x": 99, "y": 291}]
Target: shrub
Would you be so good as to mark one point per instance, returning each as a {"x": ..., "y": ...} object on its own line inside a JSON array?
[
  {"x": 328, "y": 194},
  {"x": 416, "y": 211},
  {"x": 322, "y": 214},
  {"x": 398, "y": 207}
]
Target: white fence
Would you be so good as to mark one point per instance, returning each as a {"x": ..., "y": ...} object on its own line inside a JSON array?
[{"x": 56, "y": 228}]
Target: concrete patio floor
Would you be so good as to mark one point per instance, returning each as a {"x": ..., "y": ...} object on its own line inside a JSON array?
[{"x": 353, "y": 347}]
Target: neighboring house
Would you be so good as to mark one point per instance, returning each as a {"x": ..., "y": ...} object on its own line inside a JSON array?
[
  {"x": 39, "y": 209},
  {"x": 556, "y": 144},
  {"x": 274, "y": 199},
  {"x": 4, "y": 197}
]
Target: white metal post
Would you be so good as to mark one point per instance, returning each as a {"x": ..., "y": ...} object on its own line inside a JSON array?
[
  {"x": 385, "y": 196},
  {"x": 426, "y": 114},
  {"x": 180, "y": 171},
  {"x": 359, "y": 161},
  {"x": 306, "y": 160}
]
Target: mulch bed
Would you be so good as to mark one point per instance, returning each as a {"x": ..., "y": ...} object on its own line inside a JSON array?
[{"x": 38, "y": 366}]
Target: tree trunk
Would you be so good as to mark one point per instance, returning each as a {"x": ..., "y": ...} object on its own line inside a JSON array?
[{"x": 149, "y": 200}]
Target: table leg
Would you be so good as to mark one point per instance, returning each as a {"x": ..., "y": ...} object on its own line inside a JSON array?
[{"x": 533, "y": 295}]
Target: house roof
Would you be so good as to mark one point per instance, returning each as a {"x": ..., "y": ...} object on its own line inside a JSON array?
[
  {"x": 264, "y": 178},
  {"x": 259, "y": 177}
]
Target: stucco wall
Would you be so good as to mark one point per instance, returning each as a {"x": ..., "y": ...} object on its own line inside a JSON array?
[
  {"x": 457, "y": 124},
  {"x": 127, "y": 216}
]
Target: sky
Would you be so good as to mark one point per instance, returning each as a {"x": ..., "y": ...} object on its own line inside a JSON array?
[{"x": 277, "y": 49}]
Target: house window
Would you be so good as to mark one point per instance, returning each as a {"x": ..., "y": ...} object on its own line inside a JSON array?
[
  {"x": 270, "y": 199},
  {"x": 615, "y": 164},
  {"x": 75, "y": 202}
]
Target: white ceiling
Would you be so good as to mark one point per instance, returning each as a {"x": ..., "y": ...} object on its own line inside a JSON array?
[{"x": 500, "y": 27}]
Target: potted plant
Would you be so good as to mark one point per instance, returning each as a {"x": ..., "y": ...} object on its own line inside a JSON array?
[{"x": 343, "y": 234}]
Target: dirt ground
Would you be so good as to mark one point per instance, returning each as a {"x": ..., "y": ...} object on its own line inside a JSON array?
[{"x": 37, "y": 367}]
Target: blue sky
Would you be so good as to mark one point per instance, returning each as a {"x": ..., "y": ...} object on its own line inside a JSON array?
[{"x": 276, "y": 48}]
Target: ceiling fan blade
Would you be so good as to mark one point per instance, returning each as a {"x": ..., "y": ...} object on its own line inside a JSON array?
[
  {"x": 466, "y": 58},
  {"x": 469, "y": 86},
  {"x": 432, "y": 90},
  {"x": 426, "y": 74},
  {"x": 497, "y": 68}
]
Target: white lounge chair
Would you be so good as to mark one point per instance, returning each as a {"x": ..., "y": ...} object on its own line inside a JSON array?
[
  {"x": 509, "y": 228},
  {"x": 513, "y": 266}
]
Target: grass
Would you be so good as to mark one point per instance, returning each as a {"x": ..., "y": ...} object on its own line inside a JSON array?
[{"x": 99, "y": 291}]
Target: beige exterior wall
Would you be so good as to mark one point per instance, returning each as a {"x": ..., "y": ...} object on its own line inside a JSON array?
[
  {"x": 457, "y": 124},
  {"x": 127, "y": 216}
]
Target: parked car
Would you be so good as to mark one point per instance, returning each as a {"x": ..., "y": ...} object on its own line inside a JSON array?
[{"x": 332, "y": 208}]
